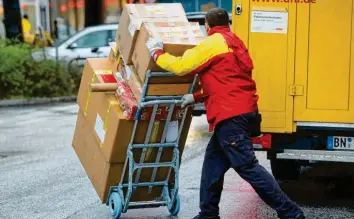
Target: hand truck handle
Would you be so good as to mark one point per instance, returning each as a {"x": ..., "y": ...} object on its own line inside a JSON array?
[{"x": 153, "y": 102}]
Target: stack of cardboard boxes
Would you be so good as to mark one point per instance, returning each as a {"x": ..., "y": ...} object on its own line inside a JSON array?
[{"x": 105, "y": 120}]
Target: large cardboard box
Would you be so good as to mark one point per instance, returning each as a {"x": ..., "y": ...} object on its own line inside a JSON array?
[
  {"x": 103, "y": 174},
  {"x": 135, "y": 14},
  {"x": 113, "y": 131},
  {"x": 177, "y": 37},
  {"x": 111, "y": 127}
]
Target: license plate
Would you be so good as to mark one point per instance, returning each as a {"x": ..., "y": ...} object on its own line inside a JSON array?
[{"x": 340, "y": 143}]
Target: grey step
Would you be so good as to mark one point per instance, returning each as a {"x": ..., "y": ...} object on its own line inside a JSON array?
[
  {"x": 317, "y": 155},
  {"x": 146, "y": 184},
  {"x": 149, "y": 204}
]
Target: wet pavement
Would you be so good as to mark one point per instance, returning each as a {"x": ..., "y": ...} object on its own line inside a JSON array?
[{"x": 42, "y": 178}]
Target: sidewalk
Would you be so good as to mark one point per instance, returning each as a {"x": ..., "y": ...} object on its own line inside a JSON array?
[{"x": 36, "y": 101}]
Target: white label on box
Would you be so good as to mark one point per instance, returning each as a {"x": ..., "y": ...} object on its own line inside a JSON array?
[
  {"x": 172, "y": 132},
  {"x": 155, "y": 9},
  {"x": 131, "y": 29},
  {"x": 99, "y": 128},
  {"x": 176, "y": 34},
  {"x": 128, "y": 71},
  {"x": 269, "y": 22}
]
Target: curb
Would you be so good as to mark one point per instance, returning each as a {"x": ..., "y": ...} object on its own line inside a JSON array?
[{"x": 36, "y": 101}]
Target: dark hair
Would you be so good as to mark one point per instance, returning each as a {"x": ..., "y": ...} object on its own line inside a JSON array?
[
  {"x": 217, "y": 17},
  {"x": 25, "y": 16}
]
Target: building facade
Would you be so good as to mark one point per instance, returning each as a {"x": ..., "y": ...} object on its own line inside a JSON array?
[
  {"x": 71, "y": 13},
  {"x": 202, "y": 5},
  {"x": 38, "y": 12}
]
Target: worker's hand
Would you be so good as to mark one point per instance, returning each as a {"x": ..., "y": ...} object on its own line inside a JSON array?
[
  {"x": 154, "y": 44},
  {"x": 187, "y": 99}
]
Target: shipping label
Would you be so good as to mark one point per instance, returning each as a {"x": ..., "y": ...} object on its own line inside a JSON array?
[
  {"x": 155, "y": 9},
  {"x": 99, "y": 128},
  {"x": 131, "y": 29}
]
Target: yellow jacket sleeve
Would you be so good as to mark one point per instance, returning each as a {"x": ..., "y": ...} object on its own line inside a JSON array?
[{"x": 193, "y": 60}]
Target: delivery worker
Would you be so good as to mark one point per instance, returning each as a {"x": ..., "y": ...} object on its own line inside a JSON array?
[
  {"x": 229, "y": 94},
  {"x": 26, "y": 25}
]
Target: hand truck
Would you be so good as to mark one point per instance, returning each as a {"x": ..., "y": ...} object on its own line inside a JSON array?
[{"x": 119, "y": 202}]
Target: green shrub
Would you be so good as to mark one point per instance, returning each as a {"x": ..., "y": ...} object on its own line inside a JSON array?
[
  {"x": 13, "y": 59},
  {"x": 22, "y": 76},
  {"x": 75, "y": 72},
  {"x": 42, "y": 80}
]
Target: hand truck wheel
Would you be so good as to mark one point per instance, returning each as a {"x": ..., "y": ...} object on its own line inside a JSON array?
[
  {"x": 115, "y": 205},
  {"x": 174, "y": 210}
]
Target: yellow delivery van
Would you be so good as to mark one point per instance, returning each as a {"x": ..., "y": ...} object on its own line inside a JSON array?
[{"x": 303, "y": 52}]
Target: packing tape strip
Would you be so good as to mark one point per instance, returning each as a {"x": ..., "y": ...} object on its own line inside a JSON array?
[
  {"x": 89, "y": 94},
  {"x": 153, "y": 139},
  {"x": 116, "y": 52},
  {"x": 107, "y": 116},
  {"x": 91, "y": 82},
  {"x": 119, "y": 58}
]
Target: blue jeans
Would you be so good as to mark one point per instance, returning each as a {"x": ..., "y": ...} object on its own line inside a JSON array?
[{"x": 231, "y": 147}]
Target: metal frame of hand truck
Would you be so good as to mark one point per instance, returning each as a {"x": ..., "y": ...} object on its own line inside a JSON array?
[{"x": 120, "y": 203}]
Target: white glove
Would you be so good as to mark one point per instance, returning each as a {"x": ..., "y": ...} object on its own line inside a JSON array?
[
  {"x": 153, "y": 45},
  {"x": 187, "y": 99}
]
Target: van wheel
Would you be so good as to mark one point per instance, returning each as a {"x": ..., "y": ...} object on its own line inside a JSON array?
[
  {"x": 285, "y": 169},
  {"x": 342, "y": 187}
]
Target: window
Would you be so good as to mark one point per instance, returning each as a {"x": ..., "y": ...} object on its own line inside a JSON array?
[
  {"x": 93, "y": 40},
  {"x": 112, "y": 36}
]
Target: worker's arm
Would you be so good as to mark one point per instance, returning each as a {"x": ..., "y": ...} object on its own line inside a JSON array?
[
  {"x": 199, "y": 96},
  {"x": 195, "y": 60}
]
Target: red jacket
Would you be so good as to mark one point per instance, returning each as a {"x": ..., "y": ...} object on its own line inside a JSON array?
[{"x": 224, "y": 67}]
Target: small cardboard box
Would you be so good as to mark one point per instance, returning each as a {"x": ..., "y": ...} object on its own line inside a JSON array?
[
  {"x": 162, "y": 85},
  {"x": 129, "y": 106},
  {"x": 103, "y": 174},
  {"x": 135, "y": 14},
  {"x": 114, "y": 57},
  {"x": 177, "y": 37},
  {"x": 92, "y": 68}
]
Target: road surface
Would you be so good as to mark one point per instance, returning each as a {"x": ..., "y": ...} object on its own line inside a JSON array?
[{"x": 42, "y": 178}]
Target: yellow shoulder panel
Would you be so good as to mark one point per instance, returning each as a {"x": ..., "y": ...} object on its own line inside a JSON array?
[{"x": 195, "y": 59}]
